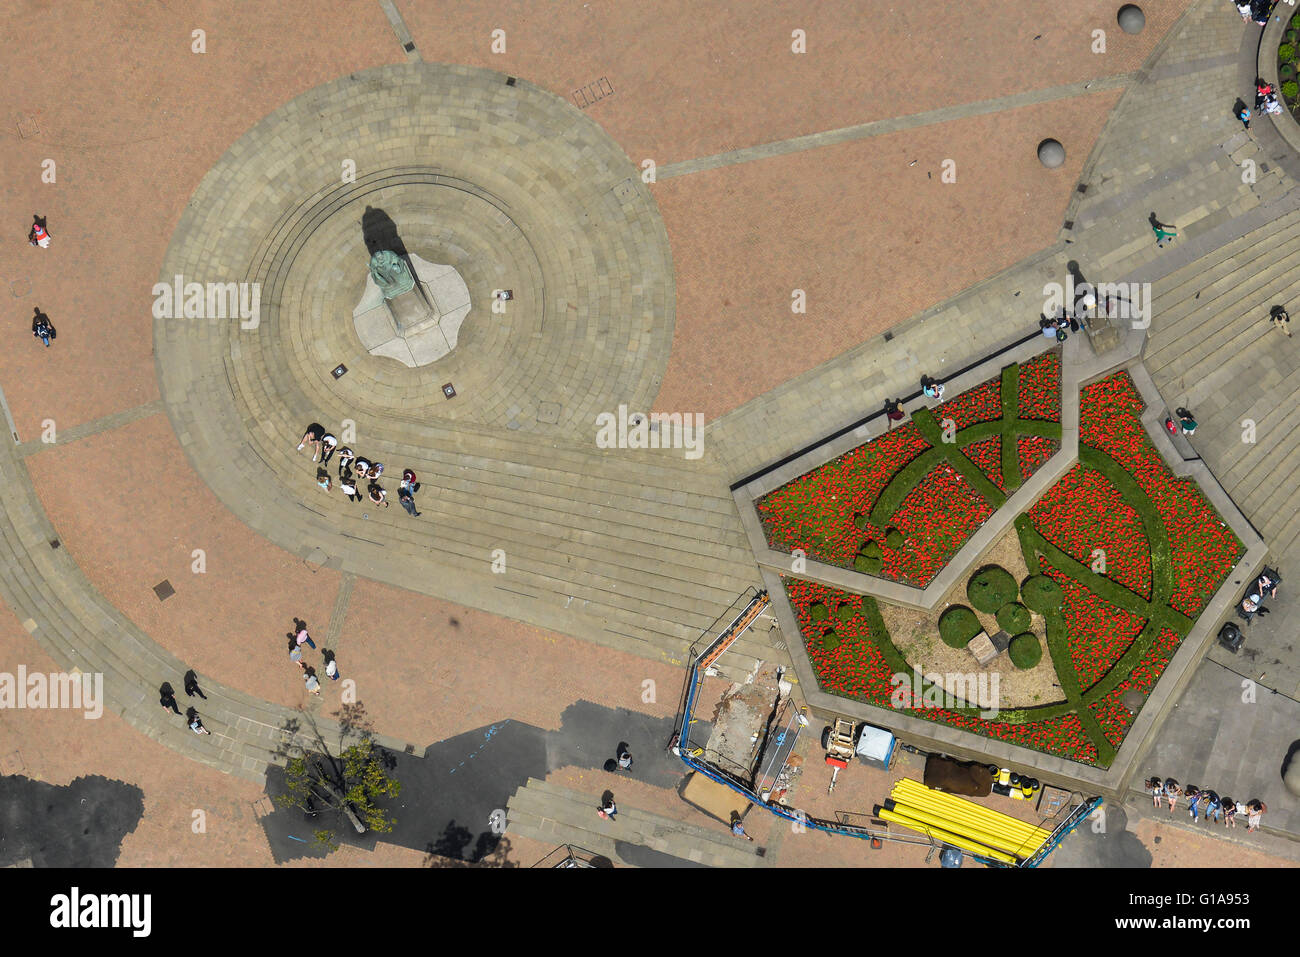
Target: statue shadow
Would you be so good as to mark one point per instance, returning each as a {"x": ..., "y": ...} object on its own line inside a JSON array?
[{"x": 380, "y": 232}]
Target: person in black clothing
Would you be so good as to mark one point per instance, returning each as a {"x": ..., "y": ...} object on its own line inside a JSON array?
[
  {"x": 192, "y": 686},
  {"x": 167, "y": 698},
  {"x": 42, "y": 329}
]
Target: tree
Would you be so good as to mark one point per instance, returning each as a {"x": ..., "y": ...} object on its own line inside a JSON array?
[{"x": 349, "y": 785}]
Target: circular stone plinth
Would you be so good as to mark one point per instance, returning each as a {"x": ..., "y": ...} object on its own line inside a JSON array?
[
  {"x": 1051, "y": 153},
  {"x": 1131, "y": 18},
  {"x": 509, "y": 185}
]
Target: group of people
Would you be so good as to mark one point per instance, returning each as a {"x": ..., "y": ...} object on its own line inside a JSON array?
[
  {"x": 41, "y": 326},
  {"x": 299, "y": 637},
  {"x": 1266, "y": 97},
  {"x": 1058, "y": 326},
  {"x": 1203, "y": 802},
  {"x": 167, "y": 698},
  {"x": 1265, "y": 587},
  {"x": 1186, "y": 423},
  {"x": 1256, "y": 10},
  {"x": 355, "y": 469}
]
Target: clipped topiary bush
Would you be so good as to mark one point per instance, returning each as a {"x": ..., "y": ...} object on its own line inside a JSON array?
[
  {"x": 958, "y": 625},
  {"x": 1295, "y": 21},
  {"x": 1285, "y": 53},
  {"x": 1014, "y": 617},
  {"x": 1042, "y": 594},
  {"x": 1290, "y": 89},
  {"x": 861, "y": 520},
  {"x": 990, "y": 588},
  {"x": 819, "y": 612},
  {"x": 830, "y": 640},
  {"x": 844, "y": 613},
  {"x": 894, "y": 538},
  {"x": 868, "y": 566},
  {"x": 1025, "y": 651},
  {"x": 1286, "y": 72},
  {"x": 871, "y": 549}
]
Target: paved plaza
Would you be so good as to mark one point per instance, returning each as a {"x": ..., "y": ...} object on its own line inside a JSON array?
[{"x": 692, "y": 218}]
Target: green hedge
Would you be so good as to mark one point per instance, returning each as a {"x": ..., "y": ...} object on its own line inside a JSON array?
[
  {"x": 819, "y": 612},
  {"x": 1014, "y": 617},
  {"x": 990, "y": 588},
  {"x": 1285, "y": 53},
  {"x": 1290, "y": 89},
  {"x": 1042, "y": 595},
  {"x": 1025, "y": 651},
  {"x": 893, "y": 538},
  {"x": 958, "y": 625}
]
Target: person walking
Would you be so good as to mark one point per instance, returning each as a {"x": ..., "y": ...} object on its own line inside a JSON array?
[
  {"x": 1193, "y": 801},
  {"x": 894, "y": 411},
  {"x": 376, "y": 469},
  {"x": 1229, "y": 812},
  {"x": 196, "y": 725},
  {"x": 37, "y": 235},
  {"x": 1255, "y": 809},
  {"x": 41, "y": 328},
  {"x": 323, "y": 479},
  {"x": 607, "y": 807},
  {"x": 301, "y": 635},
  {"x": 332, "y": 669},
  {"x": 1244, "y": 115},
  {"x": 311, "y": 436},
  {"x": 295, "y": 655},
  {"x": 1281, "y": 320},
  {"x": 167, "y": 698},
  {"x": 624, "y": 760},
  {"x": 311, "y": 682},
  {"x": 192, "y": 686},
  {"x": 346, "y": 458},
  {"x": 328, "y": 445},
  {"x": 738, "y": 828},
  {"x": 408, "y": 501},
  {"x": 378, "y": 495},
  {"x": 932, "y": 388},
  {"x": 362, "y": 466},
  {"x": 1164, "y": 233},
  {"x": 1185, "y": 421}
]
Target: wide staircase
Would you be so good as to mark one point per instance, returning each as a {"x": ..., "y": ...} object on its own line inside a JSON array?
[{"x": 1212, "y": 348}]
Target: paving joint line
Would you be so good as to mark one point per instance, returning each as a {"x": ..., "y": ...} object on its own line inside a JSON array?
[
  {"x": 895, "y": 124},
  {"x": 107, "y": 423}
]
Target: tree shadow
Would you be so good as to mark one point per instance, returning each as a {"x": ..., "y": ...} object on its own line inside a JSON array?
[{"x": 490, "y": 850}]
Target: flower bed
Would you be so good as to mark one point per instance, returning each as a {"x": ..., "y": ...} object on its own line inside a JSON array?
[
  {"x": 1084, "y": 512},
  {"x": 987, "y": 456},
  {"x": 815, "y": 511},
  {"x": 1202, "y": 547},
  {"x": 1098, "y": 633},
  {"x": 1033, "y": 452},
  {"x": 833, "y": 511},
  {"x": 1040, "y": 388},
  {"x": 1166, "y": 552}
]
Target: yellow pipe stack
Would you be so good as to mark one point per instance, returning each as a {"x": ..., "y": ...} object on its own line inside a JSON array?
[{"x": 977, "y": 829}]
